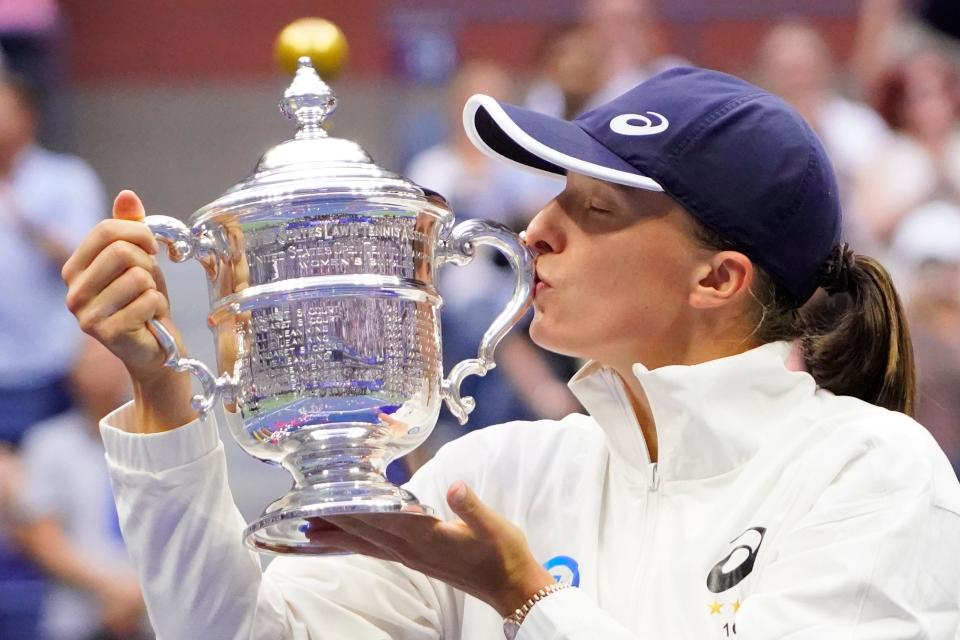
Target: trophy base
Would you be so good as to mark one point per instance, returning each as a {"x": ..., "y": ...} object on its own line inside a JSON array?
[{"x": 295, "y": 524}]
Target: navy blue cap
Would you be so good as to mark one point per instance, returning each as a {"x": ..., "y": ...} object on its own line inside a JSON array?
[{"x": 739, "y": 159}]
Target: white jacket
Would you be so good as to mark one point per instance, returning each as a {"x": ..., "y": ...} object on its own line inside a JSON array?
[{"x": 776, "y": 510}]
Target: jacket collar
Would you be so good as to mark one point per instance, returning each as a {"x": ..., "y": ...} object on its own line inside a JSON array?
[{"x": 710, "y": 417}]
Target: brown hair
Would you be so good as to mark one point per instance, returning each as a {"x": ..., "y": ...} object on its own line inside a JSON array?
[
  {"x": 854, "y": 343},
  {"x": 888, "y": 95}
]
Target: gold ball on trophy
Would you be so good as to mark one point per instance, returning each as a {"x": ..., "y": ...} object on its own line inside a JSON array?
[{"x": 315, "y": 37}]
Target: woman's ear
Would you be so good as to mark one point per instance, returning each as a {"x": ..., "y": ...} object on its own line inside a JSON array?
[{"x": 724, "y": 278}]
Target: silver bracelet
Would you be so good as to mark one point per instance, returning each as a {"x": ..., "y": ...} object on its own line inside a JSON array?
[{"x": 511, "y": 624}]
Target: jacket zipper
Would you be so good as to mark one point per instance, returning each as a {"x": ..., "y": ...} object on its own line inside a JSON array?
[{"x": 647, "y": 541}]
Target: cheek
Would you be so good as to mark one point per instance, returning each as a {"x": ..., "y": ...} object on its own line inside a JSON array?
[
  {"x": 627, "y": 287},
  {"x": 647, "y": 293},
  {"x": 607, "y": 307},
  {"x": 603, "y": 327},
  {"x": 652, "y": 277}
]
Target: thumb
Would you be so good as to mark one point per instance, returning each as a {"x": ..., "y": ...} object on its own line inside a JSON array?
[
  {"x": 127, "y": 206},
  {"x": 469, "y": 508}
]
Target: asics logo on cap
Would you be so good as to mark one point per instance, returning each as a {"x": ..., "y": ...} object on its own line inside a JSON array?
[{"x": 634, "y": 124}]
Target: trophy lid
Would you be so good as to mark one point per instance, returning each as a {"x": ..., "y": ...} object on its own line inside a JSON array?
[{"x": 312, "y": 163}]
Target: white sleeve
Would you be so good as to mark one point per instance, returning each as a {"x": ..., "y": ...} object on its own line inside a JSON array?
[
  {"x": 874, "y": 559},
  {"x": 183, "y": 533}
]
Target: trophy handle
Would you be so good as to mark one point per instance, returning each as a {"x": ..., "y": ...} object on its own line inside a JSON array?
[
  {"x": 183, "y": 244},
  {"x": 459, "y": 248}
]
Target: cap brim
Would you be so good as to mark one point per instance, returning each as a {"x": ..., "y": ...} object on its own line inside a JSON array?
[{"x": 544, "y": 144}]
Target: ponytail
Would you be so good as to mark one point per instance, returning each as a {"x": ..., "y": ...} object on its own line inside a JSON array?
[
  {"x": 853, "y": 332},
  {"x": 857, "y": 343}
]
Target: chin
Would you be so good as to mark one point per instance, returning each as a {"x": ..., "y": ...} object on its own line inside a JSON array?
[{"x": 561, "y": 343}]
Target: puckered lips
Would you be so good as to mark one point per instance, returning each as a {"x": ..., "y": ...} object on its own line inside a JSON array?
[{"x": 540, "y": 283}]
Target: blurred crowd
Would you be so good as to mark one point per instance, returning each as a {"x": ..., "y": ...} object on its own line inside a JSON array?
[{"x": 889, "y": 115}]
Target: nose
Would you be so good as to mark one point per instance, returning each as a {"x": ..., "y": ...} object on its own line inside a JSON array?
[{"x": 543, "y": 235}]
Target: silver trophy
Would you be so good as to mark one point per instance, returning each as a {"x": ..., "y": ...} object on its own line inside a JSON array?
[{"x": 322, "y": 275}]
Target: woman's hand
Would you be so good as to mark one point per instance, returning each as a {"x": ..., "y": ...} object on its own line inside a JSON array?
[
  {"x": 114, "y": 288},
  {"x": 481, "y": 554}
]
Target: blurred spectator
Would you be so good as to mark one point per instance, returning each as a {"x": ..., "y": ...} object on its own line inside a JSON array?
[
  {"x": 920, "y": 100},
  {"x": 616, "y": 45},
  {"x": 68, "y": 522},
  {"x": 29, "y": 43},
  {"x": 929, "y": 243},
  {"x": 524, "y": 385},
  {"x": 475, "y": 186},
  {"x": 890, "y": 30},
  {"x": 48, "y": 202},
  {"x": 574, "y": 72},
  {"x": 635, "y": 45},
  {"x": 794, "y": 62}
]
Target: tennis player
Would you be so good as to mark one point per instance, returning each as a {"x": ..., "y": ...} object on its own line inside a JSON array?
[{"x": 747, "y": 468}]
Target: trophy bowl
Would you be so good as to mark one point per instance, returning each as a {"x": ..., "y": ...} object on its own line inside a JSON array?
[{"x": 322, "y": 274}]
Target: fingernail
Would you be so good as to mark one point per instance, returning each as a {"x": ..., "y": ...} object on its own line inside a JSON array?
[{"x": 460, "y": 492}]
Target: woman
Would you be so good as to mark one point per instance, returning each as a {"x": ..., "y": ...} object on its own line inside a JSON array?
[{"x": 715, "y": 490}]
